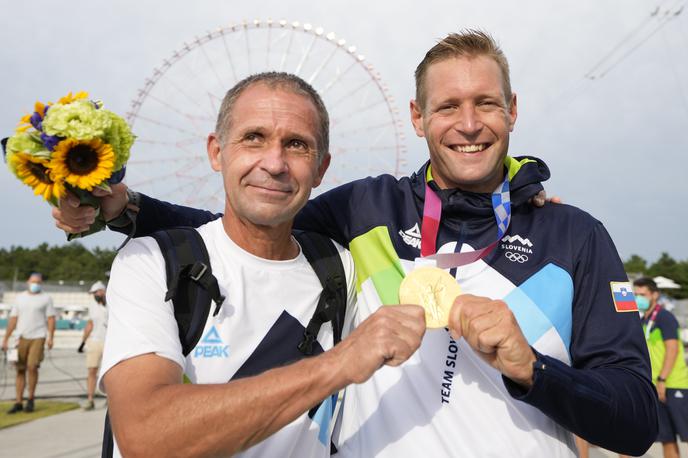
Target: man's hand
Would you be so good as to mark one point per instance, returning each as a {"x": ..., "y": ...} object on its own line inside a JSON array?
[
  {"x": 49, "y": 343},
  {"x": 4, "y": 345},
  {"x": 72, "y": 218},
  {"x": 387, "y": 337},
  {"x": 539, "y": 199},
  {"x": 81, "y": 347},
  {"x": 661, "y": 391},
  {"x": 491, "y": 329}
]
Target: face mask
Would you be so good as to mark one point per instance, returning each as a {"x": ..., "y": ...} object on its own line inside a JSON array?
[
  {"x": 643, "y": 303},
  {"x": 35, "y": 288},
  {"x": 100, "y": 299}
]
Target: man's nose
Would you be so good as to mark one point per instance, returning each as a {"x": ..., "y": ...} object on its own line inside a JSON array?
[
  {"x": 468, "y": 120},
  {"x": 274, "y": 159}
]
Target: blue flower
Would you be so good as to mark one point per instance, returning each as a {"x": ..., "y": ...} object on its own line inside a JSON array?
[
  {"x": 50, "y": 141},
  {"x": 37, "y": 121}
]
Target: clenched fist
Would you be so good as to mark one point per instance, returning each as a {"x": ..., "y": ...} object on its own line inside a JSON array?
[
  {"x": 387, "y": 337},
  {"x": 491, "y": 329}
]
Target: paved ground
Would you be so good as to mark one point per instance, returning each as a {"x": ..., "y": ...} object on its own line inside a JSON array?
[{"x": 78, "y": 433}]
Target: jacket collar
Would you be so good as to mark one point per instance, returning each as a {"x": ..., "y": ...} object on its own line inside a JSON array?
[{"x": 525, "y": 176}]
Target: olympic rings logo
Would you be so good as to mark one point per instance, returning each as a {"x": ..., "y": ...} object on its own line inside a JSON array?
[{"x": 516, "y": 257}]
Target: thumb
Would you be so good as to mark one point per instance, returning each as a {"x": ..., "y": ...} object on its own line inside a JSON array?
[
  {"x": 455, "y": 318},
  {"x": 72, "y": 200},
  {"x": 98, "y": 192}
]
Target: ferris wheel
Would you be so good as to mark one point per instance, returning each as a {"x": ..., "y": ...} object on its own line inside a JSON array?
[{"x": 177, "y": 107}]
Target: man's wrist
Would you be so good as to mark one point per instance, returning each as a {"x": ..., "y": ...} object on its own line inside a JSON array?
[
  {"x": 129, "y": 212},
  {"x": 661, "y": 379}
]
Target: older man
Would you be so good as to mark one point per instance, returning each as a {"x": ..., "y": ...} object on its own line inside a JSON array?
[
  {"x": 33, "y": 316},
  {"x": 543, "y": 344},
  {"x": 271, "y": 146}
]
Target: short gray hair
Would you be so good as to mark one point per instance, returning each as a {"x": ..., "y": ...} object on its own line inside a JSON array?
[{"x": 274, "y": 80}]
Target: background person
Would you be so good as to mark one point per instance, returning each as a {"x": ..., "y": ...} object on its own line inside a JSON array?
[
  {"x": 33, "y": 316},
  {"x": 669, "y": 371},
  {"x": 94, "y": 339}
]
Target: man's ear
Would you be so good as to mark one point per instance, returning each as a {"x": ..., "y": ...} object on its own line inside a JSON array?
[
  {"x": 214, "y": 150},
  {"x": 513, "y": 113},
  {"x": 322, "y": 168},
  {"x": 417, "y": 118}
]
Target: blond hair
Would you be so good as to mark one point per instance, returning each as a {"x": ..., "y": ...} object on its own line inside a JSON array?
[{"x": 467, "y": 43}]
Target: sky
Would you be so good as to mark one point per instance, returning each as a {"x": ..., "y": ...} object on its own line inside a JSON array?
[{"x": 602, "y": 89}]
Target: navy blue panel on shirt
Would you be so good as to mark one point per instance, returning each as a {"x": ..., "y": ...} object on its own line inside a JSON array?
[{"x": 277, "y": 348}]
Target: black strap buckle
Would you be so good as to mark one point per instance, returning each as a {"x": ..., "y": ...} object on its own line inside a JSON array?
[
  {"x": 306, "y": 345},
  {"x": 198, "y": 269}
]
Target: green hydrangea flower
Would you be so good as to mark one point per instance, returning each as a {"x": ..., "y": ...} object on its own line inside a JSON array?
[
  {"x": 119, "y": 137},
  {"x": 79, "y": 120},
  {"x": 25, "y": 142},
  {"x": 28, "y": 142}
]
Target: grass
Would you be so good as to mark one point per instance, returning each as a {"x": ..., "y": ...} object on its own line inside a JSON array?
[{"x": 42, "y": 409}]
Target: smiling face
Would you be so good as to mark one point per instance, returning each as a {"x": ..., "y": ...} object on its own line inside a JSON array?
[
  {"x": 269, "y": 161},
  {"x": 466, "y": 120}
]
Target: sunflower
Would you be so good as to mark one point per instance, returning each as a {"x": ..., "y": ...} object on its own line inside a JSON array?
[
  {"x": 35, "y": 172},
  {"x": 83, "y": 164},
  {"x": 69, "y": 98},
  {"x": 26, "y": 121}
]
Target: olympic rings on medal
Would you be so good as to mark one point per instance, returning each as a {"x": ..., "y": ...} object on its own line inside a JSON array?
[{"x": 516, "y": 257}]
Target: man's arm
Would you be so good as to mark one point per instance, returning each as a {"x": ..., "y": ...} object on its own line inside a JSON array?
[
  {"x": 87, "y": 332},
  {"x": 51, "y": 331},
  {"x": 607, "y": 397},
  {"x": 11, "y": 326},
  {"x": 146, "y": 395},
  {"x": 671, "y": 352},
  {"x": 153, "y": 214},
  {"x": 669, "y": 327}
]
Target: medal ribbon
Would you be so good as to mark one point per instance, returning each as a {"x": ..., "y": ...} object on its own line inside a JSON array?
[
  {"x": 432, "y": 213},
  {"x": 651, "y": 321}
]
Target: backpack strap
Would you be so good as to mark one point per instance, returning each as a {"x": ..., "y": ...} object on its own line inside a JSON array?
[
  {"x": 324, "y": 257},
  {"x": 191, "y": 284}
]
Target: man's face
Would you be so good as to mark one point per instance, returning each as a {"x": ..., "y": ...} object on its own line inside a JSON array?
[
  {"x": 645, "y": 292},
  {"x": 269, "y": 162},
  {"x": 99, "y": 296},
  {"x": 466, "y": 122},
  {"x": 34, "y": 283}
]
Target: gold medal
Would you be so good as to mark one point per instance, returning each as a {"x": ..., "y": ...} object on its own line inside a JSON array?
[{"x": 433, "y": 289}]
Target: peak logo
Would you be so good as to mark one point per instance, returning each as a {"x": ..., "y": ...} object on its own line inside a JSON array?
[
  {"x": 516, "y": 248},
  {"x": 211, "y": 346},
  {"x": 411, "y": 236}
]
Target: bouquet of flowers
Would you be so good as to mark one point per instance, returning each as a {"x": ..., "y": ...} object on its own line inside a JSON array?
[{"x": 75, "y": 145}]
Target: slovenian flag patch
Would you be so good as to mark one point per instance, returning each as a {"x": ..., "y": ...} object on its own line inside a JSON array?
[{"x": 622, "y": 293}]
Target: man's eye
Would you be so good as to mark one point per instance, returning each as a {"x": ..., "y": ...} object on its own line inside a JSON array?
[
  {"x": 253, "y": 137},
  {"x": 446, "y": 108},
  {"x": 297, "y": 144},
  {"x": 489, "y": 104}
]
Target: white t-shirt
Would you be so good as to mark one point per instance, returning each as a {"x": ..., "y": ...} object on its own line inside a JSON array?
[
  {"x": 32, "y": 312},
  {"x": 265, "y": 300},
  {"x": 99, "y": 315}
]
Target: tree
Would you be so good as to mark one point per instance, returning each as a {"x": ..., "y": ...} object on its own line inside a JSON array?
[
  {"x": 67, "y": 262},
  {"x": 635, "y": 264}
]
